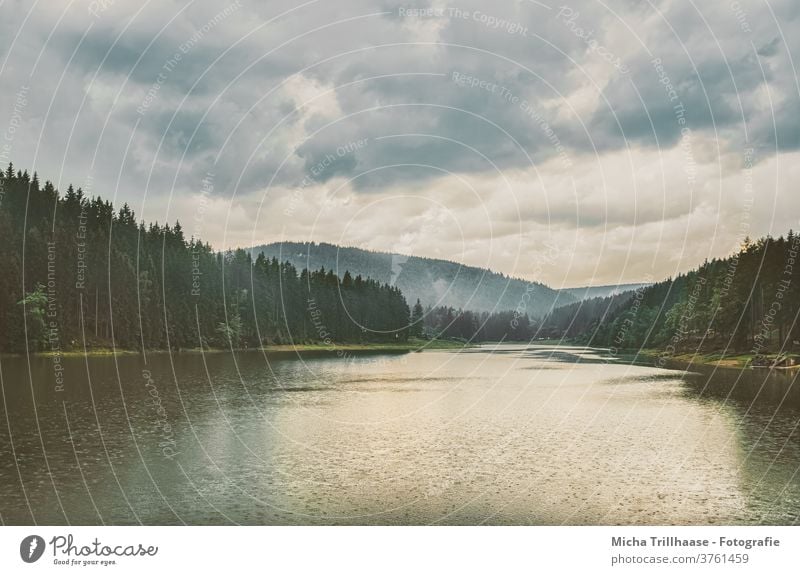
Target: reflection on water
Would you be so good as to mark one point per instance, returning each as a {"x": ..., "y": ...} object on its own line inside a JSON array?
[{"x": 512, "y": 435}]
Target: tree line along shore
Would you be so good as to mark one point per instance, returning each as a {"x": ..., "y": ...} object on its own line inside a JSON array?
[{"x": 81, "y": 275}]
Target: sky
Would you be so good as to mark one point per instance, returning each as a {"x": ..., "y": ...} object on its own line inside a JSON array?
[{"x": 586, "y": 143}]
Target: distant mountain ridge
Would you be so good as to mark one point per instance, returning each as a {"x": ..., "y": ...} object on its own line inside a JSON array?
[
  {"x": 434, "y": 282},
  {"x": 591, "y": 292}
]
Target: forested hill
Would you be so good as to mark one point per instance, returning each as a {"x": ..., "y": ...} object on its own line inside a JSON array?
[
  {"x": 77, "y": 272},
  {"x": 591, "y": 292},
  {"x": 434, "y": 282},
  {"x": 747, "y": 303}
]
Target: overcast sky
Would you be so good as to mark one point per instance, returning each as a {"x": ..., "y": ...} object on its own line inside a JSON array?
[{"x": 581, "y": 143}]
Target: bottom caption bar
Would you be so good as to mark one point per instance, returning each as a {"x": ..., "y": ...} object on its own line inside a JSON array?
[{"x": 400, "y": 549}]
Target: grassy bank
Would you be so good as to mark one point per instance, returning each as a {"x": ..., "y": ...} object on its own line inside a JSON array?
[
  {"x": 728, "y": 359},
  {"x": 90, "y": 352},
  {"x": 412, "y": 345}
]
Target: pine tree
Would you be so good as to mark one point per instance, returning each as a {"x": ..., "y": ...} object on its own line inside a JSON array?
[{"x": 417, "y": 318}]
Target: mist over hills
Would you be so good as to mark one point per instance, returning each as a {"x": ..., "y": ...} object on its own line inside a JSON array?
[
  {"x": 591, "y": 292},
  {"x": 434, "y": 282}
]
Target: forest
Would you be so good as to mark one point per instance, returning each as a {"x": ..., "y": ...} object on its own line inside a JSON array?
[
  {"x": 79, "y": 273},
  {"x": 748, "y": 303},
  {"x": 449, "y": 323}
]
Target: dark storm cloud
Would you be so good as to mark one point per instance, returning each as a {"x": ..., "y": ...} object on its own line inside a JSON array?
[
  {"x": 640, "y": 109},
  {"x": 709, "y": 73},
  {"x": 261, "y": 113}
]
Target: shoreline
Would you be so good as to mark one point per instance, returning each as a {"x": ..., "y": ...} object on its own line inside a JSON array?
[
  {"x": 276, "y": 349},
  {"x": 718, "y": 359}
]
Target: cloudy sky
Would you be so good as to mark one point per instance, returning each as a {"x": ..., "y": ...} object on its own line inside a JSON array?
[{"x": 582, "y": 143}]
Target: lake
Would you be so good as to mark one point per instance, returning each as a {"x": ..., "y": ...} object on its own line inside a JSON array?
[{"x": 509, "y": 434}]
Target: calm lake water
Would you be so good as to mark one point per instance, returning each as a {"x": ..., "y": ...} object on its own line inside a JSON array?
[{"x": 513, "y": 435}]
